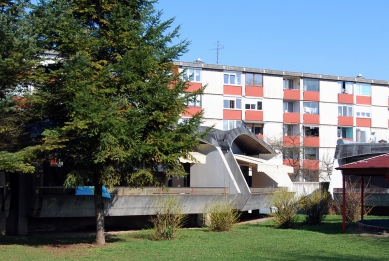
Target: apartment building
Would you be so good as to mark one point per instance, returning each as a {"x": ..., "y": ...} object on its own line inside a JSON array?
[{"x": 315, "y": 109}]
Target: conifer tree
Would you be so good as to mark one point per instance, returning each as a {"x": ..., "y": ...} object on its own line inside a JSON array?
[
  {"x": 110, "y": 95},
  {"x": 17, "y": 57}
]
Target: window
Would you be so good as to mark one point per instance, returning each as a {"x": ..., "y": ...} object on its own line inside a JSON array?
[
  {"x": 231, "y": 124},
  {"x": 195, "y": 101},
  {"x": 232, "y": 103},
  {"x": 310, "y": 131},
  {"x": 311, "y": 85},
  {"x": 291, "y": 153},
  {"x": 345, "y": 87},
  {"x": 345, "y": 132},
  {"x": 192, "y": 75},
  {"x": 291, "y": 129},
  {"x": 288, "y": 107},
  {"x": 362, "y": 112},
  {"x": 311, "y": 107},
  {"x": 345, "y": 110},
  {"x": 362, "y": 89},
  {"x": 311, "y": 154},
  {"x": 255, "y": 130},
  {"x": 254, "y": 79},
  {"x": 253, "y": 105},
  {"x": 232, "y": 78},
  {"x": 288, "y": 84}
]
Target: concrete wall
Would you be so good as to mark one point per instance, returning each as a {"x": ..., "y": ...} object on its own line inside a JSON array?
[{"x": 213, "y": 174}]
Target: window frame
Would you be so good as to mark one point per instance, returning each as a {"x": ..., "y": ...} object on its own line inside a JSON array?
[
  {"x": 310, "y": 107},
  {"x": 232, "y": 124},
  {"x": 348, "y": 107},
  {"x": 359, "y": 113},
  {"x": 286, "y": 103},
  {"x": 196, "y": 103},
  {"x": 308, "y": 149},
  {"x": 305, "y": 84},
  {"x": 237, "y": 75},
  {"x": 229, "y": 100},
  {"x": 255, "y": 104},
  {"x": 359, "y": 89},
  {"x": 254, "y": 79},
  {"x": 190, "y": 75}
]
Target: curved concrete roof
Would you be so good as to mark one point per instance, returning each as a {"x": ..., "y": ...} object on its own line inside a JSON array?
[{"x": 247, "y": 141}]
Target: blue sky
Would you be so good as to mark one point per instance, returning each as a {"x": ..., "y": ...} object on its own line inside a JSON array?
[{"x": 336, "y": 37}]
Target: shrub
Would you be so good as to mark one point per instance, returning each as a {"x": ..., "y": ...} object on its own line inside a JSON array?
[
  {"x": 222, "y": 216},
  {"x": 285, "y": 204},
  {"x": 353, "y": 202},
  {"x": 168, "y": 218},
  {"x": 315, "y": 206}
]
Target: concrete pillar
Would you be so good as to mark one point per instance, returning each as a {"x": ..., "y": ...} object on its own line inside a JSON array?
[{"x": 22, "y": 224}]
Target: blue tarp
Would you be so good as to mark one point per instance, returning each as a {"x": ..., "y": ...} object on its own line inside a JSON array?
[{"x": 90, "y": 191}]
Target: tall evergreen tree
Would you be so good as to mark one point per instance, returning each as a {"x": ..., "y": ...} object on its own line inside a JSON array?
[
  {"x": 17, "y": 56},
  {"x": 111, "y": 97}
]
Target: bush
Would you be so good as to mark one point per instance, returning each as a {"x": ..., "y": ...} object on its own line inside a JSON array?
[
  {"x": 285, "y": 204},
  {"x": 353, "y": 202},
  {"x": 315, "y": 206},
  {"x": 222, "y": 216},
  {"x": 168, "y": 218}
]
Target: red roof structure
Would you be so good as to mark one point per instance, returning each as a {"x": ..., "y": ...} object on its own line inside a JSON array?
[{"x": 374, "y": 166}]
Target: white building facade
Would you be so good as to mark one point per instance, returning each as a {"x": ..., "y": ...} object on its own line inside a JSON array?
[{"x": 319, "y": 109}]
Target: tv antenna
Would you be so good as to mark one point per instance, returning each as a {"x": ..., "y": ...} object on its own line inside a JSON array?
[{"x": 218, "y": 48}]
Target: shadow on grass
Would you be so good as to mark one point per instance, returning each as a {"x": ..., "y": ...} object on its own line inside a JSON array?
[{"x": 55, "y": 240}]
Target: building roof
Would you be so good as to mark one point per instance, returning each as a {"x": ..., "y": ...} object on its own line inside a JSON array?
[
  {"x": 243, "y": 138},
  {"x": 374, "y": 166},
  {"x": 279, "y": 72}
]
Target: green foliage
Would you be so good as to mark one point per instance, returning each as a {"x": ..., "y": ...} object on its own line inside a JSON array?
[
  {"x": 112, "y": 96},
  {"x": 168, "y": 218},
  {"x": 315, "y": 206},
  {"x": 285, "y": 204},
  {"x": 222, "y": 216}
]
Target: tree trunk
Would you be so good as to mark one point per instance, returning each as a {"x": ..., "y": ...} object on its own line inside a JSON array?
[{"x": 99, "y": 210}]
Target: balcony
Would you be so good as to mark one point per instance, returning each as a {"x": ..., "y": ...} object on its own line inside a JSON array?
[
  {"x": 232, "y": 114},
  {"x": 311, "y": 96},
  {"x": 190, "y": 111},
  {"x": 291, "y": 140},
  {"x": 255, "y": 91},
  {"x": 345, "y": 98},
  {"x": 291, "y": 94},
  {"x": 252, "y": 115},
  {"x": 232, "y": 90},
  {"x": 311, "y": 164},
  {"x": 311, "y": 141},
  {"x": 311, "y": 118},
  {"x": 193, "y": 86},
  {"x": 345, "y": 121},
  {"x": 363, "y": 122},
  {"x": 292, "y": 117},
  {"x": 363, "y": 100}
]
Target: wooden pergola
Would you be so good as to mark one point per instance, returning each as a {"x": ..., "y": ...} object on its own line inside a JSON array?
[{"x": 375, "y": 166}]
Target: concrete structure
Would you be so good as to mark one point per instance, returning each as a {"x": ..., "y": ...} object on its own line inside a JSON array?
[
  {"x": 235, "y": 165},
  {"x": 320, "y": 109}
]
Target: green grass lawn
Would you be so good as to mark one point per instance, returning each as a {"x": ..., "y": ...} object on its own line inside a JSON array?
[{"x": 247, "y": 242}]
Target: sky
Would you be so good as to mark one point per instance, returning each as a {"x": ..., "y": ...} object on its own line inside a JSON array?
[{"x": 333, "y": 37}]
